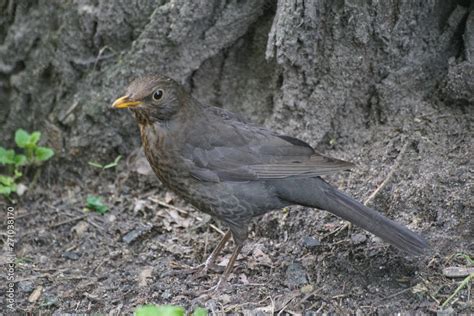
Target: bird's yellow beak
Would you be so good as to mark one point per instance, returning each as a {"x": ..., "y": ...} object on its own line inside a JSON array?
[{"x": 125, "y": 102}]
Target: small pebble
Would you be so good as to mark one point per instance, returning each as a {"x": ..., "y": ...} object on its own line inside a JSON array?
[
  {"x": 136, "y": 233},
  {"x": 307, "y": 289},
  {"x": 358, "y": 239},
  {"x": 71, "y": 255},
  {"x": 25, "y": 286},
  {"x": 295, "y": 275},
  {"x": 311, "y": 242},
  {"x": 43, "y": 259},
  {"x": 80, "y": 228},
  {"x": 110, "y": 218},
  {"x": 166, "y": 294}
]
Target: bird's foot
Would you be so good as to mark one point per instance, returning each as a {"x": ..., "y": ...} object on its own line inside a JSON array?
[
  {"x": 203, "y": 270},
  {"x": 221, "y": 285},
  {"x": 217, "y": 289}
]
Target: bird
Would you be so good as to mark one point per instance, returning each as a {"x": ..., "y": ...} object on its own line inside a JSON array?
[{"x": 235, "y": 170}]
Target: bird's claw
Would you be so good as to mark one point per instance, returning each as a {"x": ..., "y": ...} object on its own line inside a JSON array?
[
  {"x": 203, "y": 270},
  {"x": 217, "y": 289}
]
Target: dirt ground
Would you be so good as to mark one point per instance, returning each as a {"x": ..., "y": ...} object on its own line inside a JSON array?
[
  {"x": 296, "y": 260},
  {"x": 387, "y": 85}
]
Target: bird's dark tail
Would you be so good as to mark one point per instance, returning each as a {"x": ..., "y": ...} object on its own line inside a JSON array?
[{"x": 315, "y": 192}]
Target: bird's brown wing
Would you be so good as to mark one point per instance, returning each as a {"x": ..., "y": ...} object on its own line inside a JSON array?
[{"x": 231, "y": 150}]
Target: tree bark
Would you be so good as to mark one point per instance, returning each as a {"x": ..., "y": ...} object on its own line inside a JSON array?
[{"x": 356, "y": 79}]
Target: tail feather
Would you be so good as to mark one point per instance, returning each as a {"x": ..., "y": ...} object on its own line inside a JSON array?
[
  {"x": 372, "y": 221},
  {"x": 321, "y": 195}
]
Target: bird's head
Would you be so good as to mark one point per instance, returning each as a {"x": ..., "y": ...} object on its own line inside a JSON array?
[{"x": 152, "y": 99}]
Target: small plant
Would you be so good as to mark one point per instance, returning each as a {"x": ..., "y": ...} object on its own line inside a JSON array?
[
  {"x": 33, "y": 155},
  {"x": 29, "y": 142},
  {"x": 9, "y": 157},
  {"x": 167, "y": 310},
  {"x": 200, "y": 311},
  {"x": 163, "y": 310},
  {"x": 8, "y": 184},
  {"x": 94, "y": 203},
  {"x": 13, "y": 162},
  {"x": 106, "y": 166}
]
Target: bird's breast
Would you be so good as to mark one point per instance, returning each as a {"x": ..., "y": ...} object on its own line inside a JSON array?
[{"x": 163, "y": 155}]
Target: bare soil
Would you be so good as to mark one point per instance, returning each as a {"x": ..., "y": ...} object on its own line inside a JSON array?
[
  {"x": 387, "y": 85},
  {"x": 70, "y": 260}
]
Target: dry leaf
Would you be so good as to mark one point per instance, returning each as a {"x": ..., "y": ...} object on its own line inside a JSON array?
[
  {"x": 80, "y": 228},
  {"x": 142, "y": 166},
  {"x": 144, "y": 277},
  {"x": 35, "y": 295},
  {"x": 169, "y": 197},
  {"x": 243, "y": 279},
  {"x": 139, "y": 206},
  {"x": 261, "y": 257}
]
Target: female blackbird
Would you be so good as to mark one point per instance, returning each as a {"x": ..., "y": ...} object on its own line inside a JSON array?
[{"x": 234, "y": 170}]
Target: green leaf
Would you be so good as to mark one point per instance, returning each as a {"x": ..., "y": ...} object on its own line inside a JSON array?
[
  {"x": 20, "y": 160},
  {"x": 3, "y": 154},
  {"x": 5, "y": 190},
  {"x": 114, "y": 163},
  {"x": 200, "y": 311},
  {"x": 7, "y": 185},
  {"x": 92, "y": 200},
  {"x": 147, "y": 310},
  {"x": 7, "y": 180},
  {"x": 95, "y": 164},
  {"x": 102, "y": 209},
  {"x": 34, "y": 138},
  {"x": 163, "y": 310},
  {"x": 7, "y": 156},
  {"x": 43, "y": 153},
  {"x": 95, "y": 203},
  {"x": 21, "y": 138},
  {"x": 17, "y": 174},
  {"x": 11, "y": 156}
]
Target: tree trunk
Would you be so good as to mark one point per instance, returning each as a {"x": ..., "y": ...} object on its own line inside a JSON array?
[{"x": 356, "y": 79}]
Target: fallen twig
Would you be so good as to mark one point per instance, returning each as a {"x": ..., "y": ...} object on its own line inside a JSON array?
[
  {"x": 159, "y": 202},
  {"x": 99, "y": 228},
  {"x": 67, "y": 221},
  {"x": 390, "y": 174},
  {"x": 217, "y": 229},
  {"x": 394, "y": 295}
]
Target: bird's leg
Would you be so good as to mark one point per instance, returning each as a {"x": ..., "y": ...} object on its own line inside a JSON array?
[
  {"x": 228, "y": 268},
  {"x": 202, "y": 269},
  {"x": 211, "y": 260}
]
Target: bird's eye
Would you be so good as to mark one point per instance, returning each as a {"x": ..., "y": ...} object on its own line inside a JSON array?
[{"x": 157, "y": 95}]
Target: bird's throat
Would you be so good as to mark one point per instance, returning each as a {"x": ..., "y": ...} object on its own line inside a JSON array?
[{"x": 141, "y": 117}]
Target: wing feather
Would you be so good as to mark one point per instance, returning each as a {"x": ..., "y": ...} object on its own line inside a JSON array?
[{"x": 245, "y": 152}]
